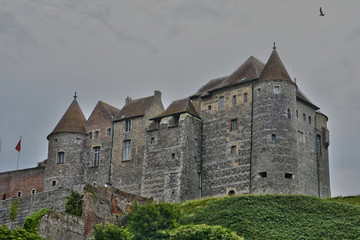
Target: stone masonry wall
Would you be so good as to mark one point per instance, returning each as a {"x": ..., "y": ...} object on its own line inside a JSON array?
[
  {"x": 25, "y": 181},
  {"x": 226, "y": 151},
  {"x": 28, "y": 205}
]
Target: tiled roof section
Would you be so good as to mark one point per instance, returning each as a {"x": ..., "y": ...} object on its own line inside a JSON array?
[
  {"x": 274, "y": 69},
  {"x": 250, "y": 69},
  {"x": 72, "y": 121},
  {"x": 301, "y": 95},
  {"x": 179, "y": 106},
  {"x": 134, "y": 108},
  {"x": 112, "y": 111},
  {"x": 210, "y": 85}
]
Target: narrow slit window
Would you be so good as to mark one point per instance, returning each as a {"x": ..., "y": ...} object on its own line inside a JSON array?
[
  {"x": 288, "y": 113},
  {"x": 221, "y": 103},
  {"x": 152, "y": 141},
  {"x": 245, "y": 97},
  {"x": 233, "y": 151},
  {"x": 234, "y": 100},
  {"x": 127, "y": 125},
  {"x": 90, "y": 135},
  {"x": 53, "y": 183},
  {"x": 309, "y": 120},
  {"x": 173, "y": 156}
]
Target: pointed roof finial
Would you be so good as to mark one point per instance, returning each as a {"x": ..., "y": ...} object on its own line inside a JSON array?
[
  {"x": 274, "y": 47},
  {"x": 75, "y": 96}
]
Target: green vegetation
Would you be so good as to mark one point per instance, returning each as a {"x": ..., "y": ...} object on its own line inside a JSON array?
[
  {"x": 355, "y": 200},
  {"x": 111, "y": 232},
  {"x": 18, "y": 234},
  {"x": 152, "y": 221},
  {"x": 14, "y": 209},
  {"x": 203, "y": 232},
  {"x": 73, "y": 204},
  {"x": 32, "y": 222},
  {"x": 276, "y": 216}
]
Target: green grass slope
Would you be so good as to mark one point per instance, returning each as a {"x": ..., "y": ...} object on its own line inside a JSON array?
[
  {"x": 354, "y": 200},
  {"x": 276, "y": 216}
]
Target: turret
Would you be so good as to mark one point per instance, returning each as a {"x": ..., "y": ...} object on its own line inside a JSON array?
[
  {"x": 274, "y": 164},
  {"x": 66, "y": 153}
]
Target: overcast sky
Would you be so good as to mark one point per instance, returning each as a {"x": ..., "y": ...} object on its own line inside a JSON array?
[{"x": 109, "y": 49}]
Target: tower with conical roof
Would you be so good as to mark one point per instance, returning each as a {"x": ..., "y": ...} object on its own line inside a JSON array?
[
  {"x": 67, "y": 150},
  {"x": 274, "y": 161}
]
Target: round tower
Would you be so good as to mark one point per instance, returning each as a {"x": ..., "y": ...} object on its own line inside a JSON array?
[
  {"x": 274, "y": 162},
  {"x": 66, "y": 152}
]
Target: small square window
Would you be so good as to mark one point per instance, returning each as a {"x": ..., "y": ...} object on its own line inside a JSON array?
[
  {"x": 289, "y": 175},
  {"x": 273, "y": 137},
  {"x": 96, "y": 136},
  {"x": 263, "y": 174},
  {"x": 276, "y": 89}
]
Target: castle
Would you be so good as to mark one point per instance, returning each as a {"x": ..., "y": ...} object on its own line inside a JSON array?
[{"x": 252, "y": 131}]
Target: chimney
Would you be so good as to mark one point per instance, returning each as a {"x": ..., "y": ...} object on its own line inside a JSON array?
[
  {"x": 157, "y": 94},
  {"x": 127, "y": 100}
]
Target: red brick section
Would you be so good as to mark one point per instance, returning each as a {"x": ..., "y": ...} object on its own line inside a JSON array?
[{"x": 23, "y": 181}]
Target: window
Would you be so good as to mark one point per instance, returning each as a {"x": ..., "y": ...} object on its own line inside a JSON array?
[
  {"x": 96, "y": 156},
  {"x": 176, "y": 120},
  {"x": 259, "y": 90},
  {"x": 53, "y": 183},
  {"x": 297, "y": 113},
  {"x": 33, "y": 191},
  {"x": 221, "y": 103},
  {"x": 19, "y": 194},
  {"x": 304, "y": 117},
  {"x": 288, "y": 113},
  {"x": 96, "y": 135},
  {"x": 55, "y": 140},
  {"x": 318, "y": 145},
  {"x": 126, "y": 149},
  {"x": 234, "y": 100},
  {"x": 273, "y": 137},
  {"x": 289, "y": 175},
  {"x": 152, "y": 141},
  {"x": 209, "y": 108},
  {"x": 301, "y": 137},
  {"x": 233, "y": 151},
  {"x": 127, "y": 125},
  {"x": 309, "y": 120},
  {"x": 245, "y": 97},
  {"x": 4, "y": 197},
  {"x": 263, "y": 174},
  {"x": 276, "y": 89},
  {"x": 90, "y": 135},
  {"x": 108, "y": 132},
  {"x": 233, "y": 124},
  {"x": 231, "y": 193},
  {"x": 173, "y": 156},
  {"x": 61, "y": 157}
]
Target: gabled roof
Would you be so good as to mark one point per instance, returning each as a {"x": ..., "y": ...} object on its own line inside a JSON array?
[
  {"x": 134, "y": 108},
  {"x": 72, "y": 121},
  {"x": 274, "y": 69},
  {"x": 203, "y": 91},
  {"x": 249, "y": 70},
  {"x": 112, "y": 111},
  {"x": 300, "y": 95},
  {"x": 179, "y": 106}
]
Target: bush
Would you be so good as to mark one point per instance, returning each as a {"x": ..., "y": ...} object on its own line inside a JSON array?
[
  {"x": 32, "y": 222},
  {"x": 14, "y": 209},
  {"x": 73, "y": 204},
  {"x": 203, "y": 232},
  {"x": 149, "y": 221},
  {"x": 18, "y": 234},
  {"x": 111, "y": 232}
]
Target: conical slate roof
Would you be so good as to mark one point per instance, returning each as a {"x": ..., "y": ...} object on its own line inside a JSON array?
[
  {"x": 274, "y": 69},
  {"x": 179, "y": 106},
  {"x": 72, "y": 121}
]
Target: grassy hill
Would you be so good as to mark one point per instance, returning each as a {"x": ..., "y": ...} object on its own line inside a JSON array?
[{"x": 278, "y": 217}]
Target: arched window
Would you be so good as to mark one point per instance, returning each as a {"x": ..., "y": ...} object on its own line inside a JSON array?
[{"x": 273, "y": 137}]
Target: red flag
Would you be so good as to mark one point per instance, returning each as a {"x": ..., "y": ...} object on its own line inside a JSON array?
[{"x": 18, "y": 146}]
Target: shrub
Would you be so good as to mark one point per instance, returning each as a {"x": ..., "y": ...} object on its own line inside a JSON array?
[
  {"x": 73, "y": 204},
  {"x": 14, "y": 209},
  {"x": 32, "y": 222},
  {"x": 111, "y": 232},
  {"x": 203, "y": 232},
  {"x": 149, "y": 221},
  {"x": 18, "y": 234}
]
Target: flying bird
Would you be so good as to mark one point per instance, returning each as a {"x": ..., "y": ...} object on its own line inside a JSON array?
[{"x": 321, "y": 13}]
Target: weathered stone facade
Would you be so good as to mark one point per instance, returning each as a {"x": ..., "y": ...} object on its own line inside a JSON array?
[{"x": 253, "y": 131}]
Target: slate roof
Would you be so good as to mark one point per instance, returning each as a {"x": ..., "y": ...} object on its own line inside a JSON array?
[
  {"x": 300, "y": 95},
  {"x": 249, "y": 70},
  {"x": 179, "y": 106},
  {"x": 134, "y": 108},
  {"x": 110, "y": 110},
  {"x": 72, "y": 121},
  {"x": 204, "y": 90},
  {"x": 274, "y": 69}
]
